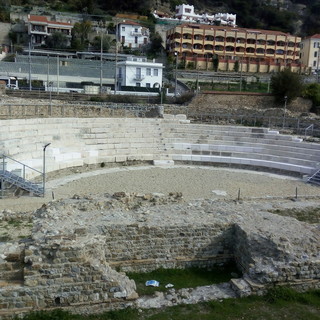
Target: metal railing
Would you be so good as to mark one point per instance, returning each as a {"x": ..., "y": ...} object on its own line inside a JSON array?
[
  {"x": 294, "y": 125},
  {"x": 17, "y": 173},
  {"x": 311, "y": 127}
]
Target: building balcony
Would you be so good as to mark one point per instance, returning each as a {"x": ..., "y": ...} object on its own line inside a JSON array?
[
  {"x": 42, "y": 33},
  {"x": 136, "y": 34},
  {"x": 138, "y": 77}
]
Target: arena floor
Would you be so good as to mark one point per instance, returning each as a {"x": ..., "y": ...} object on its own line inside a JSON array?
[{"x": 194, "y": 182}]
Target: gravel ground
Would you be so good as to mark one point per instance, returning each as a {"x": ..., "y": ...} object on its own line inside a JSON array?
[{"x": 193, "y": 182}]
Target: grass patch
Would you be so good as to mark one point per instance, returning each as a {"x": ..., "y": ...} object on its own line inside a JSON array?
[
  {"x": 182, "y": 278},
  {"x": 285, "y": 304},
  {"x": 310, "y": 215},
  {"x": 15, "y": 223},
  {"x": 5, "y": 237}
]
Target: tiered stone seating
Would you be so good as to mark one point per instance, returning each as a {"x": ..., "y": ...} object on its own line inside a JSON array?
[
  {"x": 255, "y": 147},
  {"x": 80, "y": 141}
]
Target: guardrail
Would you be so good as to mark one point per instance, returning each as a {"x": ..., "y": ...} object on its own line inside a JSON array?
[{"x": 19, "y": 174}]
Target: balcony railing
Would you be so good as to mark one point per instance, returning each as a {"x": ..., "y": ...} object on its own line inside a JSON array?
[
  {"x": 136, "y": 34},
  {"x": 138, "y": 77}
]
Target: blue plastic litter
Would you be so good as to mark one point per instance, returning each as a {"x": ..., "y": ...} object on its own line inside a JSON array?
[{"x": 152, "y": 283}]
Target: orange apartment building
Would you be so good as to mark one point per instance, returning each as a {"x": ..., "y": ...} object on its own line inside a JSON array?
[{"x": 251, "y": 50}]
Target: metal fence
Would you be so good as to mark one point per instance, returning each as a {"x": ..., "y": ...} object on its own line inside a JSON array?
[{"x": 300, "y": 126}]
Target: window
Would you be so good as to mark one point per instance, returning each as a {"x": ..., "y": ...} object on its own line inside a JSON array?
[
  {"x": 148, "y": 85},
  {"x": 138, "y": 84},
  {"x": 315, "y": 63},
  {"x": 135, "y": 39},
  {"x": 315, "y": 54},
  {"x": 123, "y": 39},
  {"x": 135, "y": 29},
  {"x": 123, "y": 28},
  {"x": 315, "y": 44},
  {"x": 138, "y": 73},
  {"x": 148, "y": 72},
  {"x": 155, "y": 72}
]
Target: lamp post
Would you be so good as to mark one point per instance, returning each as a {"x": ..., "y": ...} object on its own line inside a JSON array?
[
  {"x": 44, "y": 168},
  {"x": 175, "y": 81},
  {"x": 284, "y": 111}
]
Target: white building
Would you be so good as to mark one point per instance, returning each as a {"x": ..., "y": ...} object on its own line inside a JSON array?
[
  {"x": 39, "y": 28},
  {"x": 310, "y": 52},
  {"x": 139, "y": 72},
  {"x": 186, "y": 12},
  {"x": 131, "y": 34}
]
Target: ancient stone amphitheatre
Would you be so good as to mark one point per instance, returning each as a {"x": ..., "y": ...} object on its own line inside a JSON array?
[{"x": 136, "y": 194}]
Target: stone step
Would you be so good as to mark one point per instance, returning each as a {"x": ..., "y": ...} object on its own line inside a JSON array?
[
  {"x": 241, "y": 287},
  {"x": 163, "y": 162}
]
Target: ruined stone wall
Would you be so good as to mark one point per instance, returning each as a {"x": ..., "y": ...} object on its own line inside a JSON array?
[{"x": 143, "y": 248}]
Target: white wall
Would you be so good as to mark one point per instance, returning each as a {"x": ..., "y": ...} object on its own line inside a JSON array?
[
  {"x": 135, "y": 36},
  {"x": 151, "y": 73}
]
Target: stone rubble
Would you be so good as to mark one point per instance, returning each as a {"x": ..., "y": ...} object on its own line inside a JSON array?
[{"x": 81, "y": 248}]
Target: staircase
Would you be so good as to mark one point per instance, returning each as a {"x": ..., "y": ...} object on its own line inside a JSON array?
[
  {"x": 315, "y": 178},
  {"x": 12, "y": 178}
]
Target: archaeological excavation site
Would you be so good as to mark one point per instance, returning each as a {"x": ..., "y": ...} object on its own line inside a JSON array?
[{"x": 81, "y": 246}]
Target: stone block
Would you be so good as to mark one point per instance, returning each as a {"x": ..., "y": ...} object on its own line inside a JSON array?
[{"x": 163, "y": 162}]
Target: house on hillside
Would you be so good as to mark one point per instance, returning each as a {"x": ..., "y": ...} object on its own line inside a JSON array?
[
  {"x": 39, "y": 28},
  {"x": 310, "y": 53},
  {"x": 132, "y": 34},
  {"x": 139, "y": 72},
  {"x": 186, "y": 12}
]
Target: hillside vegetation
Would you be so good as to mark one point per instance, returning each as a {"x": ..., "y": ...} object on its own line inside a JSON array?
[{"x": 301, "y": 17}]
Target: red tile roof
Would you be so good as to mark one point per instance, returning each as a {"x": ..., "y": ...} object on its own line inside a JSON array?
[
  {"x": 37, "y": 18},
  {"x": 131, "y": 23},
  {"x": 315, "y": 36},
  {"x": 43, "y": 19}
]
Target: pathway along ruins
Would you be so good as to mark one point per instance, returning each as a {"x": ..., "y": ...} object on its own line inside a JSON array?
[{"x": 194, "y": 182}]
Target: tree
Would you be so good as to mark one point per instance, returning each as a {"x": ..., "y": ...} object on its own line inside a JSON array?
[
  {"x": 80, "y": 33},
  {"x": 106, "y": 43},
  {"x": 215, "y": 63},
  {"x": 57, "y": 40},
  {"x": 286, "y": 84},
  {"x": 155, "y": 45},
  {"x": 236, "y": 66},
  {"x": 312, "y": 92}
]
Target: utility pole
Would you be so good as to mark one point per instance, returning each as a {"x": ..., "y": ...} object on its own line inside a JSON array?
[
  {"x": 58, "y": 66},
  {"x": 175, "y": 81},
  {"x": 30, "y": 85},
  {"x": 47, "y": 71},
  {"x": 101, "y": 52},
  {"x": 240, "y": 74},
  {"x": 116, "y": 62}
]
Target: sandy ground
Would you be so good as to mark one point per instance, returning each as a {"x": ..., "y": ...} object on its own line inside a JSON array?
[{"x": 194, "y": 183}]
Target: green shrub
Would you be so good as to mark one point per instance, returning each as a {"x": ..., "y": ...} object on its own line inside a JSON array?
[
  {"x": 281, "y": 294},
  {"x": 286, "y": 85},
  {"x": 312, "y": 92}
]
